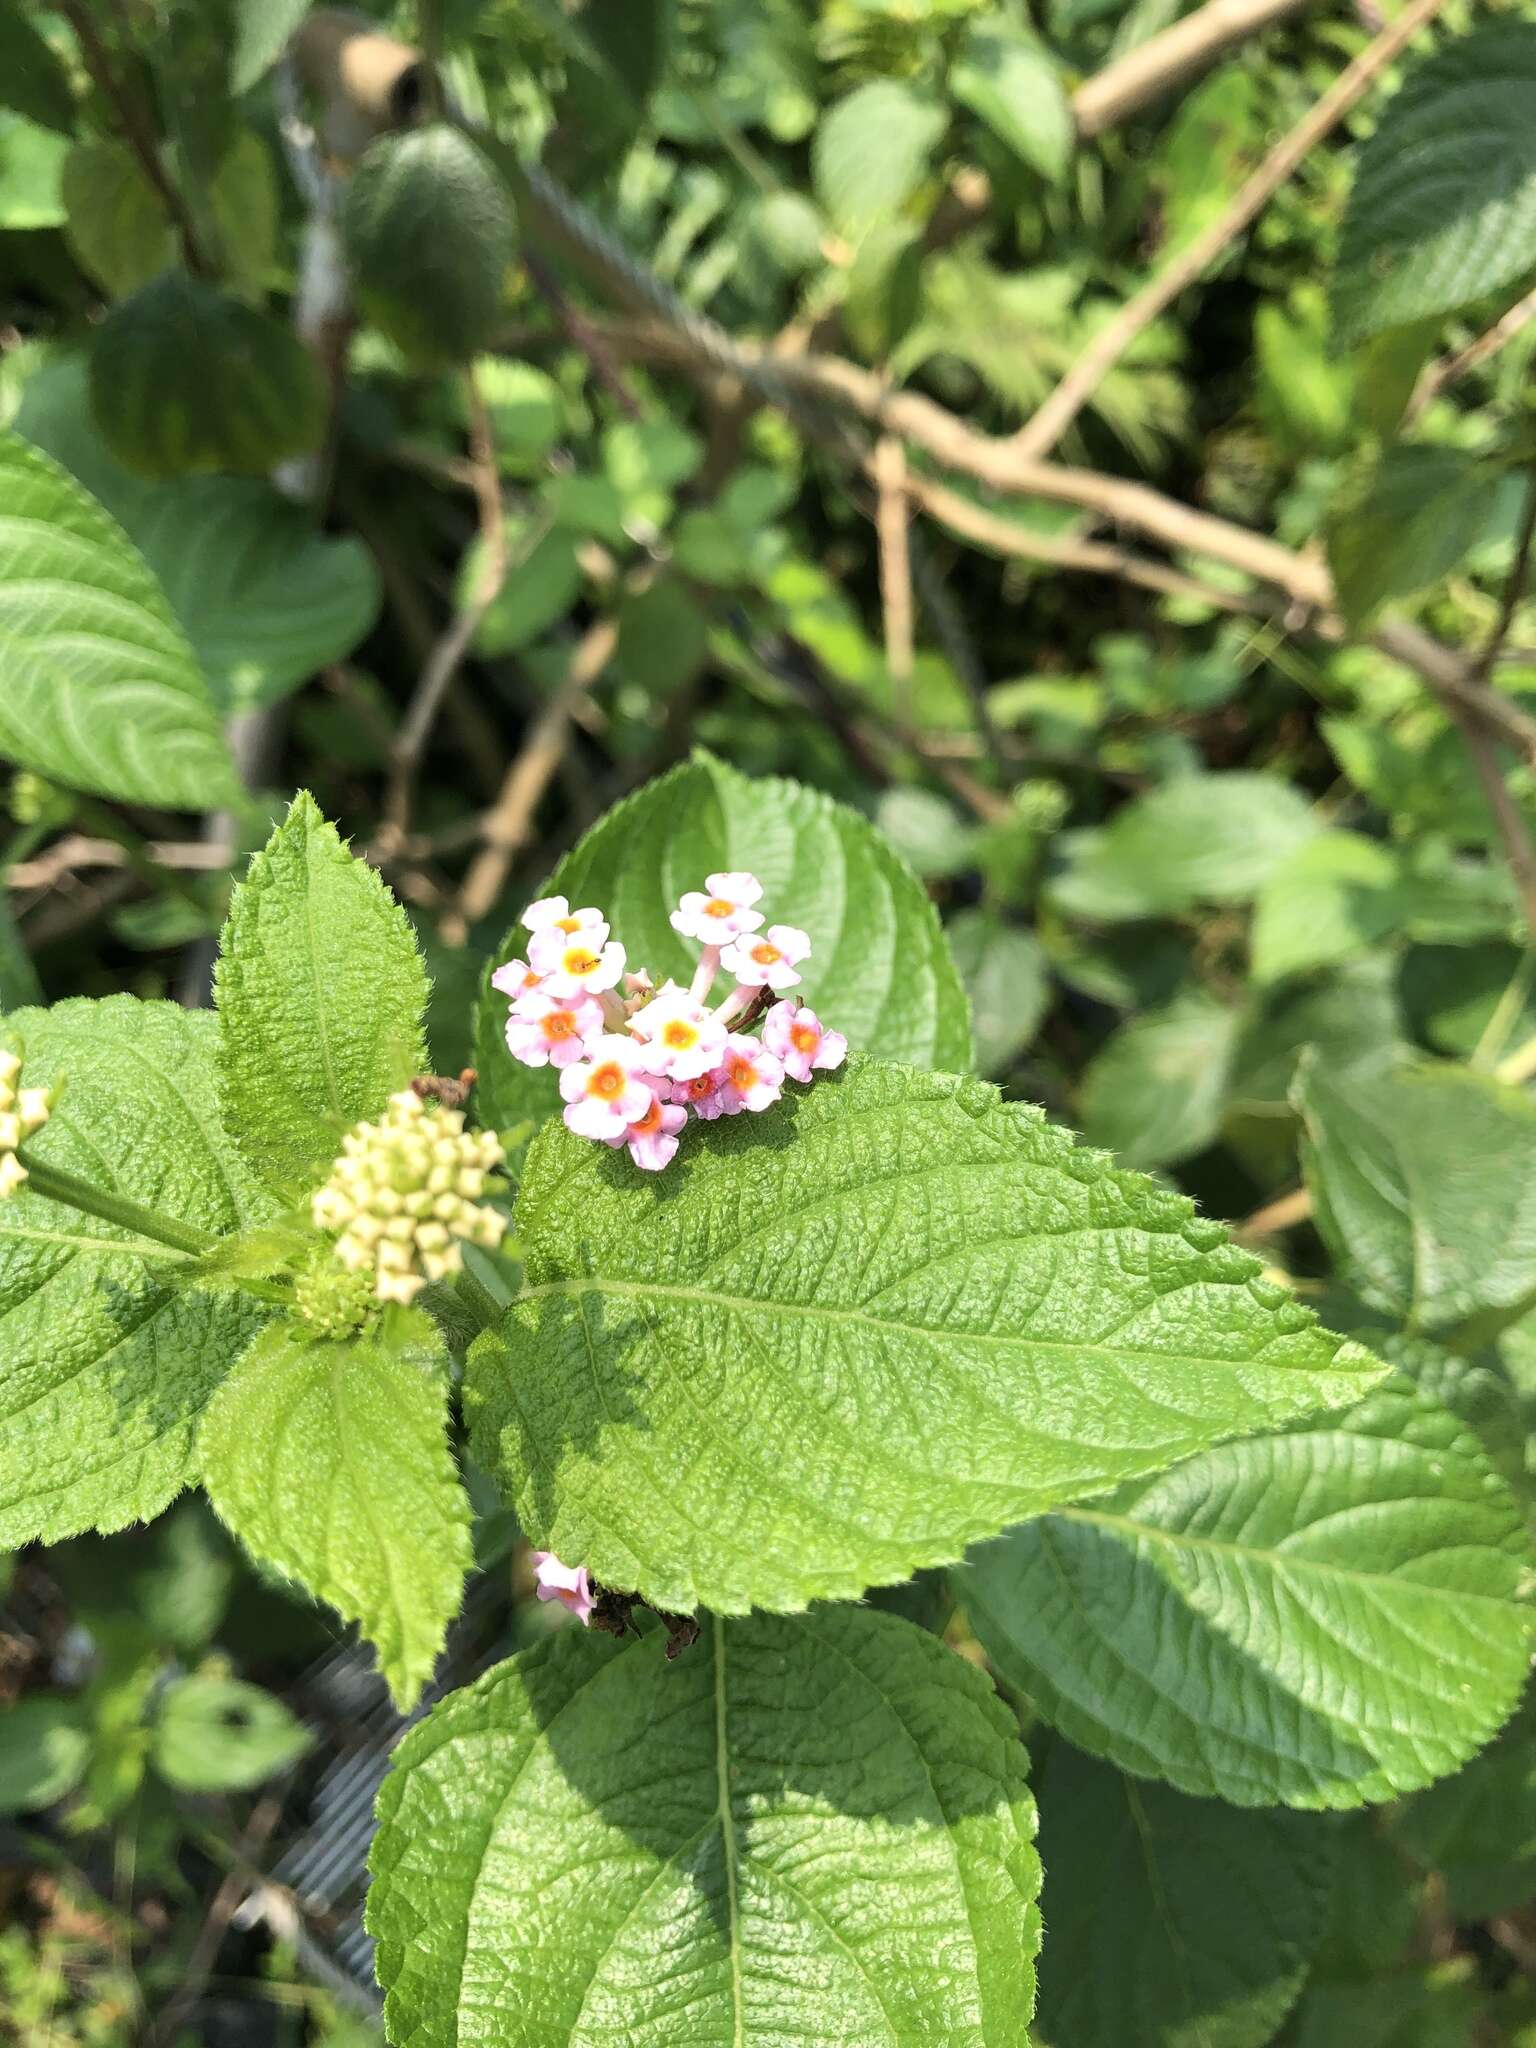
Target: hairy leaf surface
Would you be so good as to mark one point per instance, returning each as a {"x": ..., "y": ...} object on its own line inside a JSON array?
[
  {"x": 814, "y": 1830},
  {"x": 879, "y": 968},
  {"x": 1315, "y": 1619},
  {"x": 105, "y": 1363},
  {"x": 320, "y": 990},
  {"x": 1174, "y": 1922},
  {"x": 101, "y": 691},
  {"x": 331, "y": 1462},
  {"x": 846, "y": 1338}
]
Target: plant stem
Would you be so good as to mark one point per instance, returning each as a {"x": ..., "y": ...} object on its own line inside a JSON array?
[
  {"x": 56, "y": 1184},
  {"x": 478, "y": 1298}
]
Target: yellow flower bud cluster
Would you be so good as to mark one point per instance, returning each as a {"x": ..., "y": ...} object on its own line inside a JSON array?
[
  {"x": 22, "y": 1111},
  {"x": 405, "y": 1191}
]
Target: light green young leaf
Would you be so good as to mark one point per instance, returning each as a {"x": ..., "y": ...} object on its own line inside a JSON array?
[
  {"x": 1211, "y": 1915},
  {"x": 31, "y": 166},
  {"x": 320, "y": 991},
  {"x": 589, "y": 1841},
  {"x": 1008, "y": 79},
  {"x": 879, "y": 968},
  {"x": 1156, "y": 1092},
  {"x": 1404, "y": 524},
  {"x": 221, "y": 1735},
  {"x": 101, "y": 690},
  {"x": 105, "y": 1362},
  {"x": 1337, "y": 894},
  {"x": 1423, "y": 1187},
  {"x": 1443, "y": 208},
  {"x": 871, "y": 151},
  {"x": 1316, "y": 1619},
  {"x": 1196, "y": 839},
  {"x": 1007, "y": 977},
  {"x": 330, "y": 1461},
  {"x": 893, "y": 1317}
]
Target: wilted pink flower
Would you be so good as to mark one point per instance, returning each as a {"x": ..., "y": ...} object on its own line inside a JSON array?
[
  {"x": 766, "y": 959},
  {"x": 652, "y": 1138},
  {"x": 702, "y": 1094},
  {"x": 606, "y": 1092},
  {"x": 802, "y": 1041},
  {"x": 751, "y": 1076},
  {"x": 543, "y": 1031},
  {"x": 566, "y": 1583},
  {"x": 682, "y": 1038},
  {"x": 516, "y": 978},
  {"x": 585, "y": 964},
  {"x": 554, "y": 914},
  {"x": 721, "y": 910}
]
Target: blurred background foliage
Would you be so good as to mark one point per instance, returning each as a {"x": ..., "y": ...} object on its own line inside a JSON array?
[{"x": 595, "y": 461}]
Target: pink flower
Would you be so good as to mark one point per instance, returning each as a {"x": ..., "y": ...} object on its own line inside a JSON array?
[
  {"x": 652, "y": 1138},
  {"x": 516, "y": 978},
  {"x": 543, "y": 1031},
  {"x": 554, "y": 914},
  {"x": 605, "y": 1093},
  {"x": 751, "y": 1076},
  {"x": 682, "y": 1038},
  {"x": 721, "y": 910},
  {"x": 585, "y": 964},
  {"x": 802, "y": 1041},
  {"x": 703, "y": 1094},
  {"x": 766, "y": 959},
  {"x": 566, "y": 1583}
]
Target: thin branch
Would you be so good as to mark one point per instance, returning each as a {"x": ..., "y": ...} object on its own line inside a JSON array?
[
  {"x": 1514, "y": 584},
  {"x": 75, "y": 854},
  {"x": 509, "y": 823},
  {"x": 1164, "y": 61},
  {"x": 888, "y": 467},
  {"x": 1446, "y": 370},
  {"x": 443, "y": 662},
  {"x": 585, "y": 335},
  {"x": 135, "y": 129},
  {"x": 1039, "y": 435},
  {"x": 1284, "y": 1213}
]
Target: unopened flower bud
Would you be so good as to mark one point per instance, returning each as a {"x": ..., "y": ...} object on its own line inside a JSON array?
[{"x": 22, "y": 1111}]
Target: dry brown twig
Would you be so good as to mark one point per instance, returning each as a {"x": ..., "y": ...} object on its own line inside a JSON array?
[
  {"x": 888, "y": 468},
  {"x": 1040, "y": 433},
  {"x": 1154, "y": 67},
  {"x": 1446, "y": 370}
]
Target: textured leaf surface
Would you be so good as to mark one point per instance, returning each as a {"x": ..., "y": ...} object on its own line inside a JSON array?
[
  {"x": 257, "y": 396},
  {"x": 1423, "y": 1184},
  {"x": 321, "y": 992},
  {"x": 331, "y": 1462},
  {"x": 1156, "y": 1092},
  {"x": 1405, "y": 524},
  {"x": 430, "y": 232},
  {"x": 105, "y": 1366},
  {"x": 879, "y": 969},
  {"x": 1443, "y": 208},
  {"x": 814, "y": 1830},
  {"x": 101, "y": 691},
  {"x": 1174, "y": 1922},
  {"x": 1317, "y": 1619},
  {"x": 893, "y": 1317}
]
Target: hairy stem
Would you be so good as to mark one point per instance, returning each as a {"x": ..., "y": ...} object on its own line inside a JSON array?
[{"x": 57, "y": 1184}]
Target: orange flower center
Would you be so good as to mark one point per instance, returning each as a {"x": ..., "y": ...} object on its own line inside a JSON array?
[
  {"x": 679, "y": 1034},
  {"x": 560, "y": 1024},
  {"x": 700, "y": 1086},
  {"x": 765, "y": 954},
  {"x": 608, "y": 1079},
  {"x": 651, "y": 1121},
  {"x": 719, "y": 906},
  {"x": 804, "y": 1037},
  {"x": 578, "y": 960},
  {"x": 743, "y": 1075}
]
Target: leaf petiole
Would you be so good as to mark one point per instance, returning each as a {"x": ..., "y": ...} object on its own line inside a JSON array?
[{"x": 59, "y": 1185}]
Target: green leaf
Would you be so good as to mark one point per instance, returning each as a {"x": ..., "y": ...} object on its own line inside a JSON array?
[
  {"x": 44, "y": 1753},
  {"x": 1335, "y": 896},
  {"x": 1196, "y": 839},
  {"x": 101, "y": 690},
  {"x": 747, "y": 1381},
  {"x": 871, "y": 152},
  {"x": 1211, "y": 1915},
  {"x": 1478, "y": 1829},
  {"x": 117, "y": 229},
  {"x": 264, "y": 27},
  {"x": 1443, "y": 207},
  {"x": 321, "y": 992},
  {"x": 331, "y": 1463},
  {"x": 19, "y": 984},
  {"x": 1156, "y": 1092},
  {"x": 591, "y": 1841},
  {"x": 222, "y": 1735},
  {"x": 1422, "y": 1188},
  {"x": 879, "y": 968},
  {"x": 1007, "y": 978},
  {"x": 430, "y": 232},
  {"x": 31, "y": 167},
  {"x": 527, "y": 412},
  {"x": 106, "y": 1361},
  {"x": 1007, "y": 78},
  {"x": 32, "y": 80},
  {"x": 1401, "y": 526},
  {"x": 542, "y": 583},
  {"x": 257, "y": 397},
  {"x": 1315, "y": 1619}
]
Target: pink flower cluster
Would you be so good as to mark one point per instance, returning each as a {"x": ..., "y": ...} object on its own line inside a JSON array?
[{"x": 634, "y": 1059}]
